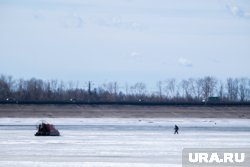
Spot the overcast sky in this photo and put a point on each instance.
(124, 40)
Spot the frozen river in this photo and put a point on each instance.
(115, 142)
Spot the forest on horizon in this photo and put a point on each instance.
(169, 90)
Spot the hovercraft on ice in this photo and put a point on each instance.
(46, 129)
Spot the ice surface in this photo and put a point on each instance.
(127, 121)
(115, 142)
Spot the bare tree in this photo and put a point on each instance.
(111, 88)
(243, 89)
(248, 89)
(139, 89)
(232, 89)
(159, 87)
(221, 90)
(192, 87)
(208, 86)
(5, 87)
(170, 88)
(48, 91)
(20, 94)
(126, 88)
(198, 88)
(185, 89)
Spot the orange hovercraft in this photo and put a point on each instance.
(46, 129)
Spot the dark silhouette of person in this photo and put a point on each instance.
(176, 129)
(43, 128)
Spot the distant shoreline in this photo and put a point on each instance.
(122, 111)
(135, 103)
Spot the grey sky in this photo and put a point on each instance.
(124, 40)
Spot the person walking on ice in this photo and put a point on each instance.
(176, 129)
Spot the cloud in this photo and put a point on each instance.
(237, 11)
(78, 21)
(136, 57)
(120, 23)
(135, 54)
(75, 21)
(185, 62)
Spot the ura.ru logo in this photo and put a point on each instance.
(216, 158)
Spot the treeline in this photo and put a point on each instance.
(170, 90)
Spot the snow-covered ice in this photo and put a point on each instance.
(114, 142)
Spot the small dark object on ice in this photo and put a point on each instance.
(46, 129)
(176, 129)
